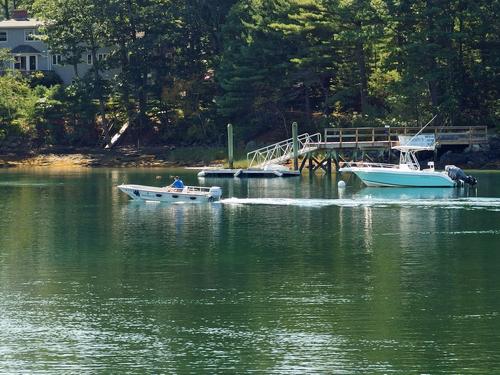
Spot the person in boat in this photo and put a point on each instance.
(177, 185)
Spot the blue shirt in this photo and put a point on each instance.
(178, 184)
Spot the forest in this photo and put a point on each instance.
(179, 70)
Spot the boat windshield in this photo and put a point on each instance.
(421, 142)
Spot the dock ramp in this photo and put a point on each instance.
(281, 152)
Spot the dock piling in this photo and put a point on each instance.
(230, 146)
(295, 146)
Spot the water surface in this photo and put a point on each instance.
(282, 276)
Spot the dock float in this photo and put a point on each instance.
(247, 173)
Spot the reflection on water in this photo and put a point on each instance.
(282, 276)
(415, 193)
(492, 204)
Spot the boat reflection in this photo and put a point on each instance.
(412, 193)
(179, 220)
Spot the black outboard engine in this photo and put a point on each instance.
(456, 174)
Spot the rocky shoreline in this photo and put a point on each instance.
(153, 157)
(473, 157)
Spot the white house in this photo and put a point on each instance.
(29, 53)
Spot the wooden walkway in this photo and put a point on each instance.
(318, 152)
(379, 138)
(337, 140)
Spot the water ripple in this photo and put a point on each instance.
(463, 203)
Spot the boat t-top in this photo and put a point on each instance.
(408, 172)
(171, 194)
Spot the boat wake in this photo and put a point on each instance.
(491, 204)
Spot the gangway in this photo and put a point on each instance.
(283, 151)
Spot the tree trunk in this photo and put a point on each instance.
(125, 72)
(325, 85)
(6, 9)
(461, 67)
(432, 84)
(139, 76)
(125, 87)
(75, 64)
(142, 99)
(307, 105)
(98, 81)
(363, 80)
(434, 92)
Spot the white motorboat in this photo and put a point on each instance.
(171, 195)
(408, 173)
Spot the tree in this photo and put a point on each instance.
(73, 27)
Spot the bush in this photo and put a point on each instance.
(17, 105)
(44, 78)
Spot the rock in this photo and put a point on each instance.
(476, 148)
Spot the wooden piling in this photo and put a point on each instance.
(329, 164)
(295, 146)
(230, 146)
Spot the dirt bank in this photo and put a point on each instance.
(87, 158)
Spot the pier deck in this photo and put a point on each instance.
(379, 138)
(336, 140)
(247, 173)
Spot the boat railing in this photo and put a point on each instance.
(196, 189)
(350, 164)
(189, 189)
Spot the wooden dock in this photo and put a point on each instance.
(247, 173)
(380, 138)
(318, 152)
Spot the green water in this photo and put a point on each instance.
(282, 276)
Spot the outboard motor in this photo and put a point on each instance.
(215, 193)
(456, 174)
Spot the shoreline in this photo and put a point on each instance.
(193, 157)
(147, 157)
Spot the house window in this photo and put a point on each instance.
(102, 56)
(20, 62)
(89, 59)
(30, 35)
(56, 60)
(26, 63)
(3, 36)
(32, 63)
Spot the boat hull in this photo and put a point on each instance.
(400, 178)
(159, 194)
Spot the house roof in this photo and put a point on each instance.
(23, 48)
(24, 24)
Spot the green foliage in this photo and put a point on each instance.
(178, 70)
(17, 106)
(44, 78)
(79, 113)
(32, 114)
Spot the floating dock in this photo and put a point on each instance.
(247, 173)
(265, 162)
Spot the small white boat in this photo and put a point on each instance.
(408, 173)
(171, 195)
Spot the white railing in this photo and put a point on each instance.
(196, 189)
(282, 151)
(349, 164)
(185, 189)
